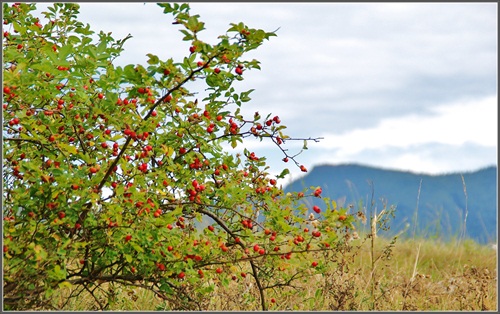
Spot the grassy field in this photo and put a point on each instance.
(378, 275)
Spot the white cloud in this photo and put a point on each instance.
(454, 124)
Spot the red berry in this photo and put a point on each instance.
(211, 228)
(218, 270)
(216, 70)
(61, 215)
(181, 275)
(128, 237)
(316, 209)
(238, 71)
(314, 264)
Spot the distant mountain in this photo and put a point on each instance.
(441, 205)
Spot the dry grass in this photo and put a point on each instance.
(413, 275)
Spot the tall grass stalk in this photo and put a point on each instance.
(464, 227)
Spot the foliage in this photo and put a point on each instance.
(109, 171)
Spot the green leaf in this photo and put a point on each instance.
(101, 47)
(65, 284)
(213, 80)
(152, 59)
(66, 148)
(64, 51)
(137, 248)
(283, 173)
(187, 35)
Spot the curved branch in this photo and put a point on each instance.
(252, 264)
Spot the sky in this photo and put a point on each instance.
(404, 86)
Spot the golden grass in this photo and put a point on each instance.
(415, 275)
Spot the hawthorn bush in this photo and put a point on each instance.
(119, 176)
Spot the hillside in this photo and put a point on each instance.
(441, 205)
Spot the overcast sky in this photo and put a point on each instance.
(407, 86)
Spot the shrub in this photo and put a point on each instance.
(112, 173)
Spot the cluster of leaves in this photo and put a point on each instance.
(109, 172)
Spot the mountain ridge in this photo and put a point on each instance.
(441, 202)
